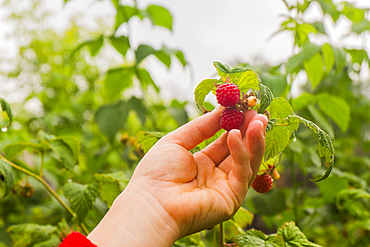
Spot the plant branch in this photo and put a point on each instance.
(47, 186)
(221, 235)
(42, 163)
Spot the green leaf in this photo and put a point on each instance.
(354, 201)
(361, 26)
(315, 70)
(302, 101)
(65, 154)
(81, 197)
(243, 217)
(310, 50)
(181, 57)
(164, 57)
(124, 14)
(95, 45)
(336, 108)
(266, 98)
(74, 144)
(142, 52)
(122, 44)
(24, 235)
(276, 141)
(11, 150)
(222, 68)
(5, 107)
(358, 56)
(160, 16)
(202, 90)
(145, 79)
(148, 139)
(110, 185)
(325, 147)
(116, 81)
(354, 14)
(321, 120)
(328, 57)
(110, 118)
(281, 109)
(293, 236)
(248, 80)
(328, 7)
(275, 82)
(330, 187)
(255, 238)
(6, 178)
(340, 58)
(294, 63)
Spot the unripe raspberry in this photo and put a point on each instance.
(228, 94)
(231, 118)
(275, 175)
(251, 101)
(262, 183)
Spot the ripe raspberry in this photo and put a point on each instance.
(231, 118)
(262, 183)
(228, 94)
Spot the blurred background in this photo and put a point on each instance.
(93, 84)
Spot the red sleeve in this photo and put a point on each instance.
(76, 239)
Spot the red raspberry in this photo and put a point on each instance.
(231, 118)
(262, 183)
(228, 94)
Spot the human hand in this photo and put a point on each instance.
(174, 193)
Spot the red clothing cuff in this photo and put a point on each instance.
(76, 239)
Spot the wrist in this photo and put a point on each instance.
(135, 220)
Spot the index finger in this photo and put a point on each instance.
(196, 131)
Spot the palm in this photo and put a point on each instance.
(208, 187)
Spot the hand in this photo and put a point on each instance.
(174, 193)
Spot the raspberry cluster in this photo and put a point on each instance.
(228, 95)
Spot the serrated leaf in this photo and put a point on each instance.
(276, 141)
(122, 44)
(143, 51)
(222, 67)
(11, 150)
(336, 108)
(6, 178)
(248, 80)
(81, 197)
(266, 98)
(281, 109)
(255, 238)
(315, 70)
(24, 235)
(65, 154)
(202, 90)
(5, 107)
(74, 144)
(293, 236)
(160, 16)
(148, 139)
(325, 147)
(111, 185)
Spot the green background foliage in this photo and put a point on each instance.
(64, 161)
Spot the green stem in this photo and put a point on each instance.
(42, 164)
(295, 191)
(47, 186)
(221, 235)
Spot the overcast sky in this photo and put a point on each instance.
(205, 30)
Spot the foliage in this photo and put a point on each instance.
(80, 128)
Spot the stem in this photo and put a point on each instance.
(295, 190)
(221, 235)
(42, 163)
(47, 186)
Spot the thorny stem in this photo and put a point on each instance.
(47, 186)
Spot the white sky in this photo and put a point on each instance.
(205, 31)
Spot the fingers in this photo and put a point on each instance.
(196, 131)
(255, 140)
(246, 155)
(219, 150)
